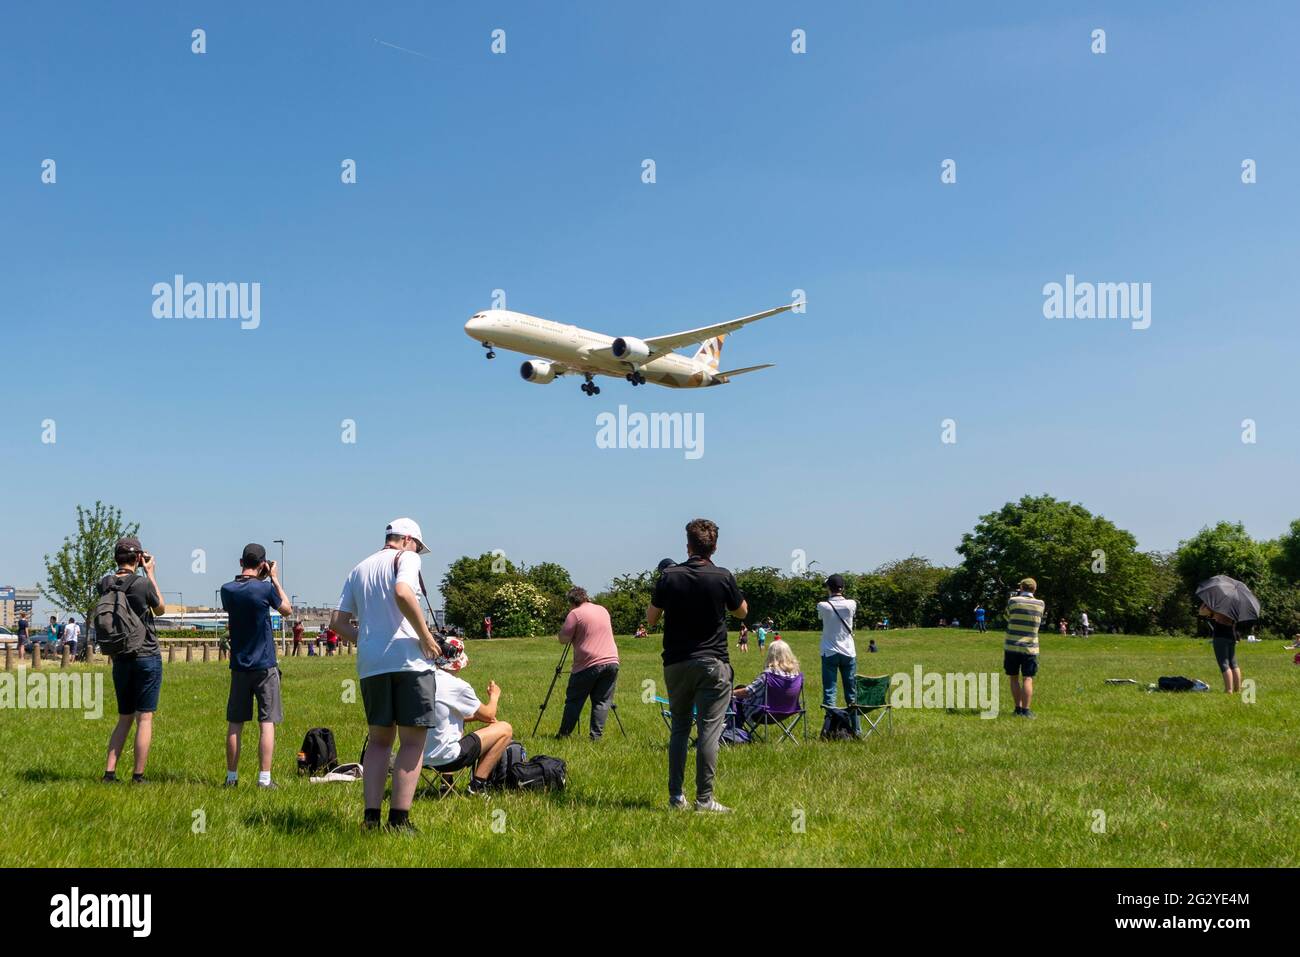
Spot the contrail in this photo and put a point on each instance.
(403, 49)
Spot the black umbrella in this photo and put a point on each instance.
(1229, 597)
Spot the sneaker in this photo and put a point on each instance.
(109, 777)
(712, 807)
(230, 784)
(406, 830)
(678, 803)
(1028, 714)
(139, 779)
(268, 786)
(1020, 712)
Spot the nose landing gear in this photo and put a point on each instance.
(590, 387)
(490, 353)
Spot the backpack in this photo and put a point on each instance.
(500, 775)
(542, 773)
(735, 735)
(318, 753)
(1177, 683)
(837, 725)
(121, 631)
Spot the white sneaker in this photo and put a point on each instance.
(713, 807)
(678, 803)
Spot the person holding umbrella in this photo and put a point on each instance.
(1226, 602)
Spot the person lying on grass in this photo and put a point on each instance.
(780, 660)
(448, 748)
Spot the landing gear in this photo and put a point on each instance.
(590, 387)
(490, 353)
(635, 377)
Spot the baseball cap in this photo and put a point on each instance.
(665, 563)
(254, 554)
(128, 544)
(1028, 584)
(835, 583)
(407, 526)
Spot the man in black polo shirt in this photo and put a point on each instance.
(694, 599)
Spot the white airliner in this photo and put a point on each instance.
(568, 350)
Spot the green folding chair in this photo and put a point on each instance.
(871, 702)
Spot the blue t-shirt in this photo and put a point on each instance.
(249, 601)
(979, 614)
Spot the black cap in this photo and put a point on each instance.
(666, 563)
(128, 544)
(254, 555)
(835, 583)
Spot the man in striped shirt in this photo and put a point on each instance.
(1020, 657)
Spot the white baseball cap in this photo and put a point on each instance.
(407, 526)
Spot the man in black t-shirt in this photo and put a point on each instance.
(694, 599)
(137, 678)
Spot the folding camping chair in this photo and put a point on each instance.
(782, 706)
(664, 712)
(871, 701)
(443, 782)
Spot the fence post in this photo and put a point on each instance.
(171, 652)
(205, 652)
(8, 664)
(63, 658)
(36, 656)
(189, 651)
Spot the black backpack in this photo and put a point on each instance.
(837, 725)
(1175, 683)
(318, 753)
(119, 630)
(542, 773)
(514, 755)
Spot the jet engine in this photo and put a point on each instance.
(537, 370)
(630, 350)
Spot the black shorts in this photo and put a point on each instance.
(403, 698)
(470, 748)
(1225, 652)
(246, 687)
(1019, 663)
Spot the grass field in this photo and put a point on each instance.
(1182, 779)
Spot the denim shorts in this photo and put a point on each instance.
(137, 682)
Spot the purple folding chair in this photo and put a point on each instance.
(782, 706)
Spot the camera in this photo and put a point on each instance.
(265, 571)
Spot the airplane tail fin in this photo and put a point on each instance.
(710, 351)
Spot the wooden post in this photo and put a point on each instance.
(8, 663)
(63, 658)
(36, 656)
(171, 652)
(205, 652)
(189, 651)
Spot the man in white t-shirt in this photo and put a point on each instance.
(71, 634)
(838, 652)
(1083, 620)
(395, 652)
(448, 747)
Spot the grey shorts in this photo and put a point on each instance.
(263, 685)
(404, 698)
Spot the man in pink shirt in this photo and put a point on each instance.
(595, 663)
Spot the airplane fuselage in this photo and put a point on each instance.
(581, 350)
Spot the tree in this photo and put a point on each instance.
(911, 590)
(72, 575)
(468, 589)
(519, 610)
(1225, 549)
(553, 581)
(1082, 562)
(472, 589)
(626, 600)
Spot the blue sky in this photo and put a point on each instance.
(522, 171)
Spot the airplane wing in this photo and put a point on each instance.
(662, 344)
(724, 376)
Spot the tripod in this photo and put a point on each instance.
(564, 655)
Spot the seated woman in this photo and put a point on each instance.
(448, 747)
(780, 660)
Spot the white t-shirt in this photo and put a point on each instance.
(71, 631)
(386, 642)
(454, 702)
(1084, 618)
(836, 638)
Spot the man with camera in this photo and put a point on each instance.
(588, 630)
(137, 677)
(254, 673)
(694, 599)
(395, 662)
(1020, 655)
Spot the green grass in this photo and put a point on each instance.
(1183, 780)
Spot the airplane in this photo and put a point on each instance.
(568, 350)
